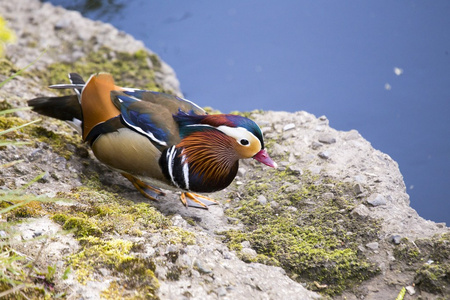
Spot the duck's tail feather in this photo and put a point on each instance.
(65, 108)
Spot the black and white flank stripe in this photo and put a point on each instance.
(175, 167)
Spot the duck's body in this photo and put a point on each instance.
(155, 139)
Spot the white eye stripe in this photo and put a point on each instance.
(239, 133)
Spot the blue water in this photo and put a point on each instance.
(333, 58)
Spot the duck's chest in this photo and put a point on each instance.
(130, 152)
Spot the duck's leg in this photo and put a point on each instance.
(145, 189)
(196, 200)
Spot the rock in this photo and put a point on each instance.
(245, 244)
(221, 292)
(361, 210)
(296, 169)
(410, 289)
(266, 129)
(376, 200)
(372, 245)
(274, 204)
(315, 145)
(315, 170)
(352, 135)
(241, 172)
(201, 267)
(324, 155)
(248, 254)
(357, 188)
(262, 200)
(292, 208)
(396, 239)
(327, 139)
(288, 127)
(328, 196)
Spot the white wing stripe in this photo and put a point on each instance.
(185, 172)
(146, 133)
(170, 156)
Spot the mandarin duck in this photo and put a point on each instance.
(157, 140)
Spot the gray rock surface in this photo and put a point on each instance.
(307, 144)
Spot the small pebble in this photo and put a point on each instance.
(376, 200)
(37, 233)
(296, 170)
(291, 208)
(396, 239)
(327, 139)
(328, 196)
(199, 266)
(248, 253)
(361, 210)
(274, 204)
(45, 178)
(372, 245)
(266, 129)
(410, 289)
(261, 199)
(288, 126)
(357, 188)
(315, 170)
(352, 135)
(221, 292)
(316, 145)
(241, 172)
(245, 244)
(324, 155)
(104, 271)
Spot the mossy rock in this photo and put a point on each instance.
(434, 278)
(306, 228)
(128, 69)
(429, 258)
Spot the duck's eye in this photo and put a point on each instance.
(244, 142)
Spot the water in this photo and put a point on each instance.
(381, 67)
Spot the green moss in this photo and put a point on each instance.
(4, 105)
(7, 68)
(98, 253)
(434, 278)
(62, 143)
(430, 260)
(82, 227)
(176, 235)
(60, 218)
(97, 219)
(103, 215)
(314, 238)
(128, 69)
(408, 252)
(27, 210)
